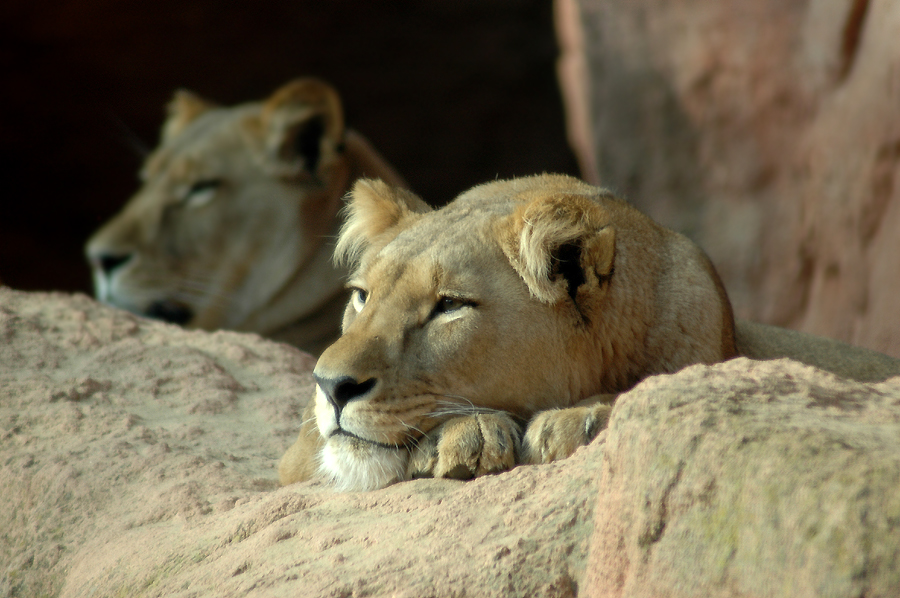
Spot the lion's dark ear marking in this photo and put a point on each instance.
(567, 263)
(301, 126)
(307, 141)
(560, 243)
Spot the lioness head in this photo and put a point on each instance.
(519, 296)
(235, 202)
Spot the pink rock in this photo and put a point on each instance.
(749, 479)
(767, 131)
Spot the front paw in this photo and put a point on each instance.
(466, 447)
(557, 433)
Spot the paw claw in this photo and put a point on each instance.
(556, 434)
(459, 472)
(466, 447)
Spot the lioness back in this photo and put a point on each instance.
(528, 300)
(231, 226)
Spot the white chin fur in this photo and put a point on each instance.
(355, 468)
(324, 414)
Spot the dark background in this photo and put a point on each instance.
(452, 92)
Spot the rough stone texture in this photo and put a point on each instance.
(766, 130)
(110, 424)
(138, 459)
(750, 479)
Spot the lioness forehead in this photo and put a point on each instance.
(455, 230)
(217, 132)
(447, 249)
(466, 243)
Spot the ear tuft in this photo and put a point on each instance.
(374, 210)
(303, 126)
(559, 243)
(184, 107)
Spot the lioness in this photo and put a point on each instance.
(517, 298)
(531, 300)
(231, 226)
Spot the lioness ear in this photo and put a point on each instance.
(182, 109)
(559, 243)
(302, 125)
(374, 210)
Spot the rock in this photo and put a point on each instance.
(139, 459)
(153, 473)
(767, 131)
(750, 479)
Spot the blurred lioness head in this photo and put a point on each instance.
(233, 225)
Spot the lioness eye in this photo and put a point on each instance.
(204, 185)
(358, 298)
(447, 304)
(202, 192)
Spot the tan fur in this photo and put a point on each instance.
(537, 296)
(430, 393)
(761, 341)
(233, 225)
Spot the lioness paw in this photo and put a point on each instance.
(466, 447)
(557, 433)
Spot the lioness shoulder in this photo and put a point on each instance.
(231, 227)
(528, 300)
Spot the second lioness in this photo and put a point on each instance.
(233, 225)
(529, 300)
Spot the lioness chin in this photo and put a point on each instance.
(232, 226)
(523, 305)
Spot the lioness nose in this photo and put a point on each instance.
(341, 391)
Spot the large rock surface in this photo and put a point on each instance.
(138, 459)
(766, 130)
(750, 479)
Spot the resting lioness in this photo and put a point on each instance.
(232, 226)
(532, 300)
(517, 298)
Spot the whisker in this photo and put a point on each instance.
(458, 397)
(196, 289)
(412, 440)
(450, 408)
(202, 288)
(313, 430)
(128, 137)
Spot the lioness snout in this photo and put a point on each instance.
(341, 391)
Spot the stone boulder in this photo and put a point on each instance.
(750, 479)
(768, 131)
(138, 459)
